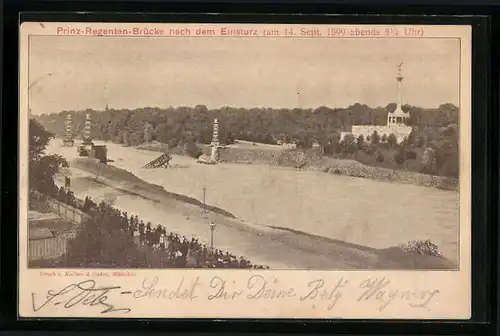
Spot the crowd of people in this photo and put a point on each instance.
(170, 248)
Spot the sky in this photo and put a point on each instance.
(92, 72)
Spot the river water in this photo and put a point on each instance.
(355, 210)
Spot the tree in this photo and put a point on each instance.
(429, 161)
(229, 139)
(42, 168)
(379, 156)
(392, 141)
(406, 108)
(191, 149)
(148, 132)
(399, 157)
(391, 107)
(419, 141)
(446, 114)
(384, 138)
(348, 144)
(412, 137)
(125, 140)
(101, 243)
(360, 141)
(375, 138)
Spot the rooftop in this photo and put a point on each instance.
(36, 216)
(39, 233)
(48, 221)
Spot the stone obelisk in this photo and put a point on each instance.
(87, 130)
(68, 138)
(215, 141)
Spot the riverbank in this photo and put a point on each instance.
(311, 160)
(356, 169)
(135, 185)
(276, 246)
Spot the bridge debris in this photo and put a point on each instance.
(163, 161)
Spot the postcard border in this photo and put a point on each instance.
(474, 103)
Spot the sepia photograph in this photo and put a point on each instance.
(274, 148)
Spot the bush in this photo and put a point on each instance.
(380, 157)
(370, 149)
(337, 171)
(360, 141)
(38, 202)
(348, 144)
(375, 138)
(172, 143)
(100, 243)
(403, 154)
(192, 150)
(411, 155)
(422, 247)
(419, 141)
(392, 141)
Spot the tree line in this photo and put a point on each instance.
(177, 125)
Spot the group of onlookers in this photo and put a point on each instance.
(170, 249)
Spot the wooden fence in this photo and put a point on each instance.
(49, 248)
(54, 247)
(67, 212)
(63, 210)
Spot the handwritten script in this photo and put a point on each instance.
(84, 293)
(377, 291)
(323, 294)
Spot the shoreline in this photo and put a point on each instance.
(316, 252)
(324, 164)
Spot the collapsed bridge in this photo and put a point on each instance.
(162, 161)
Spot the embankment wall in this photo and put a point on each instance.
(356, 169)
(313, 160)
(249, 155)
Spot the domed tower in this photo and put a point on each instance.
(398, 116)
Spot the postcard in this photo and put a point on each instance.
(200, 170)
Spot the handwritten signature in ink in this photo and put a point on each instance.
(84, 293)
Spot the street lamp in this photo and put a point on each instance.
(212, 229)
(204, 202)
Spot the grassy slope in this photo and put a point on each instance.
(120, 175)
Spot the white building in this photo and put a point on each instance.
(396, 121)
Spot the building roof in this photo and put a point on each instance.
(39, 233)
(55, 225)
(37, 216)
